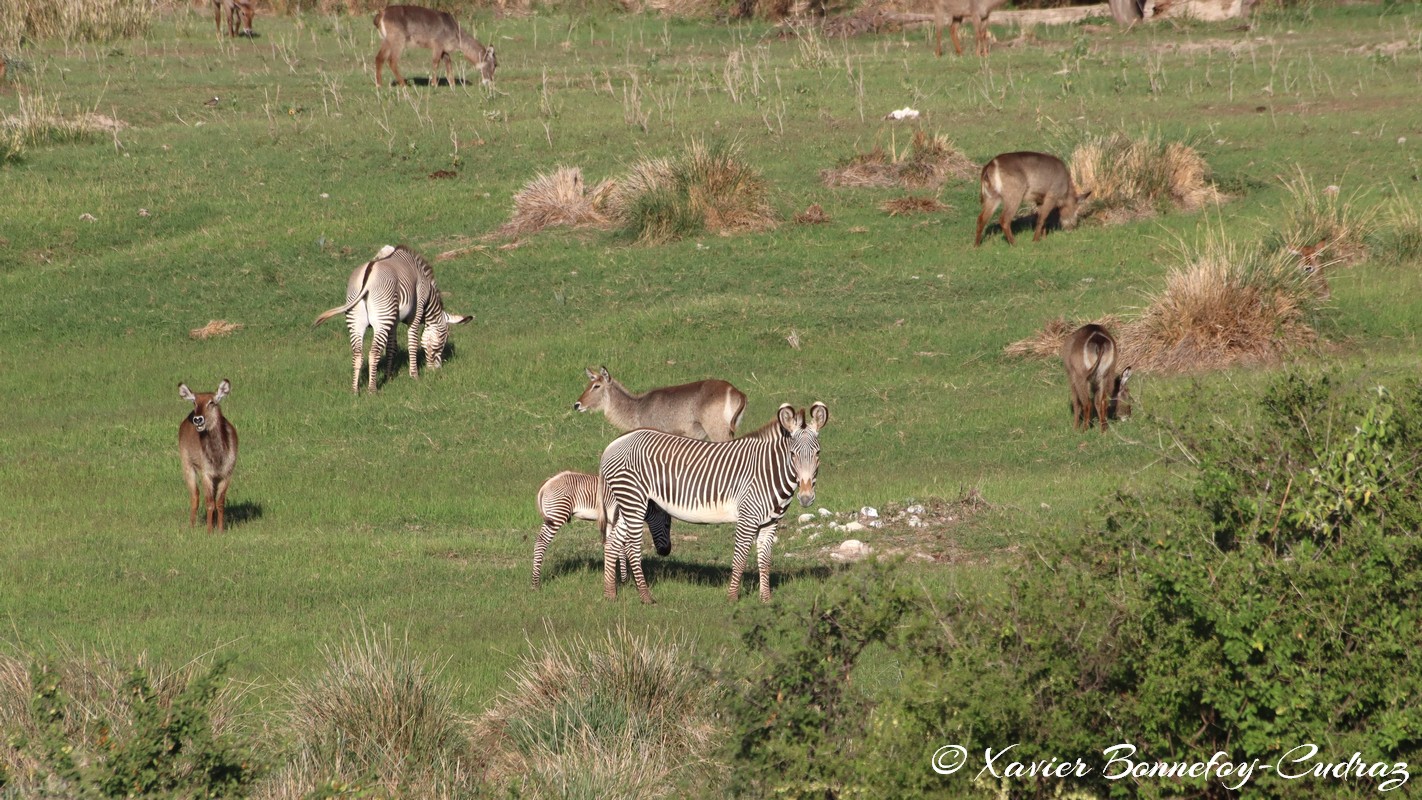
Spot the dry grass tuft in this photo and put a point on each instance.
(624, 716)
(1228, 304)
(1047, 342)
(379, 716)
(1316, 215)
(1134, 178)
(929, 163)
(558, 199)
(707, 189)
(814, 215)
(1401, 231)
(217, 327)
(73, 21)
(904, 206)
(38, 120)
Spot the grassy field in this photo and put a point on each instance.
(413, 508)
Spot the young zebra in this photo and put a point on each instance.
(570, 495)
(396, 286)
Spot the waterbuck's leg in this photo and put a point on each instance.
(540, 547)
(1102, 399)
(953, 32)
(989, 206)
(763, 543)
(191, 476)
(394, 61)
(1044, 210)
(380, 57)
(221, 485)
(745, 538)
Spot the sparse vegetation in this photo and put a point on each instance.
(559, 199)
(929, 162)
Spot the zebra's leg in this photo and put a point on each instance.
(357, 332)
(412, 346)
(659, 523)
(632, 552)
(745, 538)
(764, 541)
(540, 547)
(611, 547)
(378, 341)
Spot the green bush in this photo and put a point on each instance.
(1271, 603)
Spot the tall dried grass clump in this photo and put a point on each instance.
(1315, 214)
(380, 718)
(930, 162)
(1136, 178)
(73, 21)
(1400, 231)
(708, 188)
(561, 199)
(1228, 304)
(39, 120)
(625, 716)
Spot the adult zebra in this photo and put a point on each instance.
(748, 481)
(396, 286)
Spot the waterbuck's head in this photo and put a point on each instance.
(1071, 208)
(803, 431)
(479, 55)
(595, 396)
(207, 414)
(436, 334)
(1120, 406)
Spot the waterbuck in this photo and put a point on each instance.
(709, 409)
(574, 495)
(207, 447)
(396, 286)
(400, 26)
(749, 481)
(1311, 263)
(234, 9)
(1010, 178)
(958, 10)
(1090, 358)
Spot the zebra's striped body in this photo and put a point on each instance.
(396, 286)
(749, 481)
(570, 495)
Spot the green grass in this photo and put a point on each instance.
(414, 508)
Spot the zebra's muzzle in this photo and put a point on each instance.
(807, 494)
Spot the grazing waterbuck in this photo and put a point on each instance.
(748, 481)
(1090, 358)
(401, 26)
(1312, 264)
(207, 447)
(709, 409)
(1042, 179)
(574, 495)
(234, 9)
(958, 10)
(396, 286)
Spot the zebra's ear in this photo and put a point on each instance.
(222, 390)
(186, 393)
(819, 416)
(787, 419)
(457, 319)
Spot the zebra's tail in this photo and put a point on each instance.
(365, 290)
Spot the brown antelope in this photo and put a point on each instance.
(957, 11)
(423, 27)
(207, 445)
(1312, 265)
(1042, 179)
(1090, 358)
(709, 409)
(234, 9)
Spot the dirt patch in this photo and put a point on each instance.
(217, 327)
(918, 530)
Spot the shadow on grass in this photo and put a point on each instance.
(396, 362)
(1024, 226)
(242, 513)
(432, 82)
(696, 573)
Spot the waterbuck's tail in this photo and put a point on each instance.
(364, 291)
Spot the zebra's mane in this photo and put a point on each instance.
(770, 430)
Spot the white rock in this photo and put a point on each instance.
(915, 509)
(851, 550)
(825, 512)
(876, 523)
(869, 511)
(853, 527)
(915, 522)
(902, 113)
(806, 518)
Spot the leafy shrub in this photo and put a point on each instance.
(708, 189)
(1272, 602)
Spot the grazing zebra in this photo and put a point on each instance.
(569, 495)
(396, 286)
(748, 481)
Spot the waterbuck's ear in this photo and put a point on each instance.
(186, 393)
(222, 390)
(1084, 195)
(458, 319)
(603, 372)
(592, 376)
(787, 419)
(1125, 376)
(819, 416)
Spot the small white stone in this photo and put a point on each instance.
(806, 518)
(852, 549)
(876, 523)
(1402, 140)
(914, 509)
(825, 512)
(869, 511)
(853, 527)
(325, 196)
